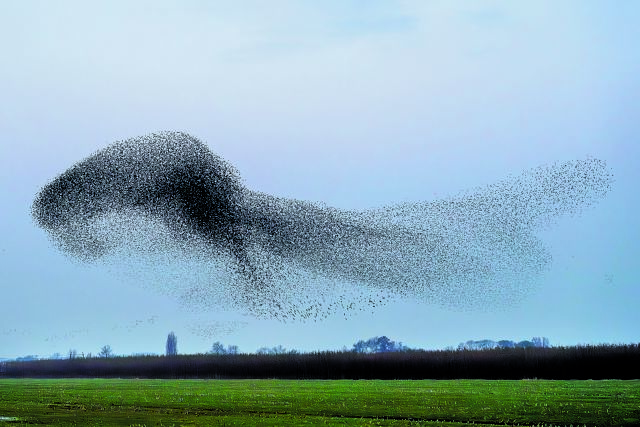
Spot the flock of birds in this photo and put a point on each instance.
(165, 204)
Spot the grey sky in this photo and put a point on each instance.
(354, 104)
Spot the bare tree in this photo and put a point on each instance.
(172, 344)
(218, 348)
(105, 351)
(279, 349)
(378, 345)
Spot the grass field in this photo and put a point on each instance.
(284, 402)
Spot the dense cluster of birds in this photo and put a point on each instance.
(166, 202)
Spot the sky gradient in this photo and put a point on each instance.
(353, 104)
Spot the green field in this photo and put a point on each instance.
(282, 402)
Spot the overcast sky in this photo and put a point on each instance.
(355, 104)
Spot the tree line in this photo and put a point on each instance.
(577, 362)
(537, 342)
(381, 344)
